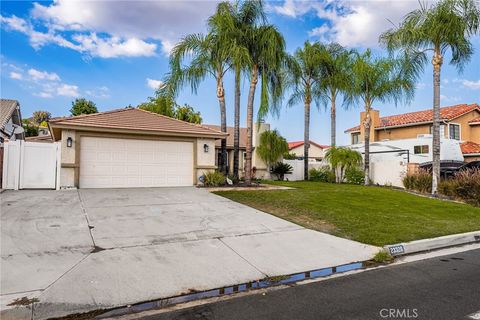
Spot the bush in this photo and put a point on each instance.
(280, 169)
(289, 156)
(323, 174)
(421, 181)
(465, 185)
(354, 175)
(213, 179)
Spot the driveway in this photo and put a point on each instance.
(79, 250)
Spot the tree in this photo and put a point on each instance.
(31, 129)
(266, 47)
(303, 76)
(445, 25)
(232, 22)
(341, 159)
(41, 116)
(161, 103)
(379, 79)
(188, 114)
(272, 146)
(83, 106)
(336, 79)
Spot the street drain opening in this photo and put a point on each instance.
(193, 295)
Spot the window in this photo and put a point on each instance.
(355, 138)
(454, 131)
(442, 130)
(420, 149)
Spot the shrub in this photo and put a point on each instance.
(465, 185)
(323, 174)
(420, 181)
(289, 156)
(354, 175)
(280, 169)
(213, 179)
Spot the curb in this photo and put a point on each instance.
(404, 248)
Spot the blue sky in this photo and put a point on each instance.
(115, 52)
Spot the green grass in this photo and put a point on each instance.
(372, 215)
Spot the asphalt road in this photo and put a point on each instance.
(445, 287)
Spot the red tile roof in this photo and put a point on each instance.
(475, 121)
(469, 147)
(294, 144)
(136, 120)
(446, 113)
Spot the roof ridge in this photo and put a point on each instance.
(178, 120)
(80, 116)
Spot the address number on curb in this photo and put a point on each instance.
(396, 250)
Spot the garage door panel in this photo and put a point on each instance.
(118, 163)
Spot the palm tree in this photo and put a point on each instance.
(303, 76)
(341, 159)
(266, 47)
(232, 22)
(379, 79)
(272, 147)
(209, 57)
(446, 25)
(336, 67)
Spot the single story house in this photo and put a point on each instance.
(316, 151)
(459, 122)
(10, 117)
(132, 148)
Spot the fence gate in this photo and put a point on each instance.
(30, 165)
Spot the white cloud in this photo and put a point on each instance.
(350, 23)
(100, 92)
(474, 85)
(43, 75)
(67, 90)
(110, 29)
(154, 84)
(16, 75)
(43, 95)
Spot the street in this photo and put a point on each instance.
(446, 287)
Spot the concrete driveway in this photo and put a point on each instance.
(80, 250)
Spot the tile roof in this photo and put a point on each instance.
(475, 121)
(7, 107)
(446, 113)
(294, 144)
(45, 138)
(242, 138)
(470, 147)
(136, 120)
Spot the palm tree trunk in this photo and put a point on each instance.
(437, 64)
(333, 122)
(366, 124)
(251, 98)
(306, 138)
(236, 130)
(223, 124)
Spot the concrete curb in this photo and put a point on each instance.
(433, 243)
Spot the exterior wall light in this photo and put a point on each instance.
(205, 148)
(69, 142)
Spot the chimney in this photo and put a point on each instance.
(375, 122)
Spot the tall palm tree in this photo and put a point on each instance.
(266, 47)
(209, 57)
(379, 79)
(303, 76)
(336, 69)
(232, 21)
(446, 25)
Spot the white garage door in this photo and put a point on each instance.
(130, 163)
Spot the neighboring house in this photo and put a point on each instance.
(460, 122)
(132, 148)
(260, 167)
(315, 152)
(10, 117)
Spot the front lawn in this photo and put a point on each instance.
(372, 215)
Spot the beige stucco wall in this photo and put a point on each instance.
(70, 157)
(262, 170)
(313, 151)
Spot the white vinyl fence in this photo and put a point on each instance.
(297, 165)
(30, 165)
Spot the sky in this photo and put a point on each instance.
(115, 53)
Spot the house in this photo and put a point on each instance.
(10, 119)
(261, 170)
(316, 151)
(132, 148)
(459, 122)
